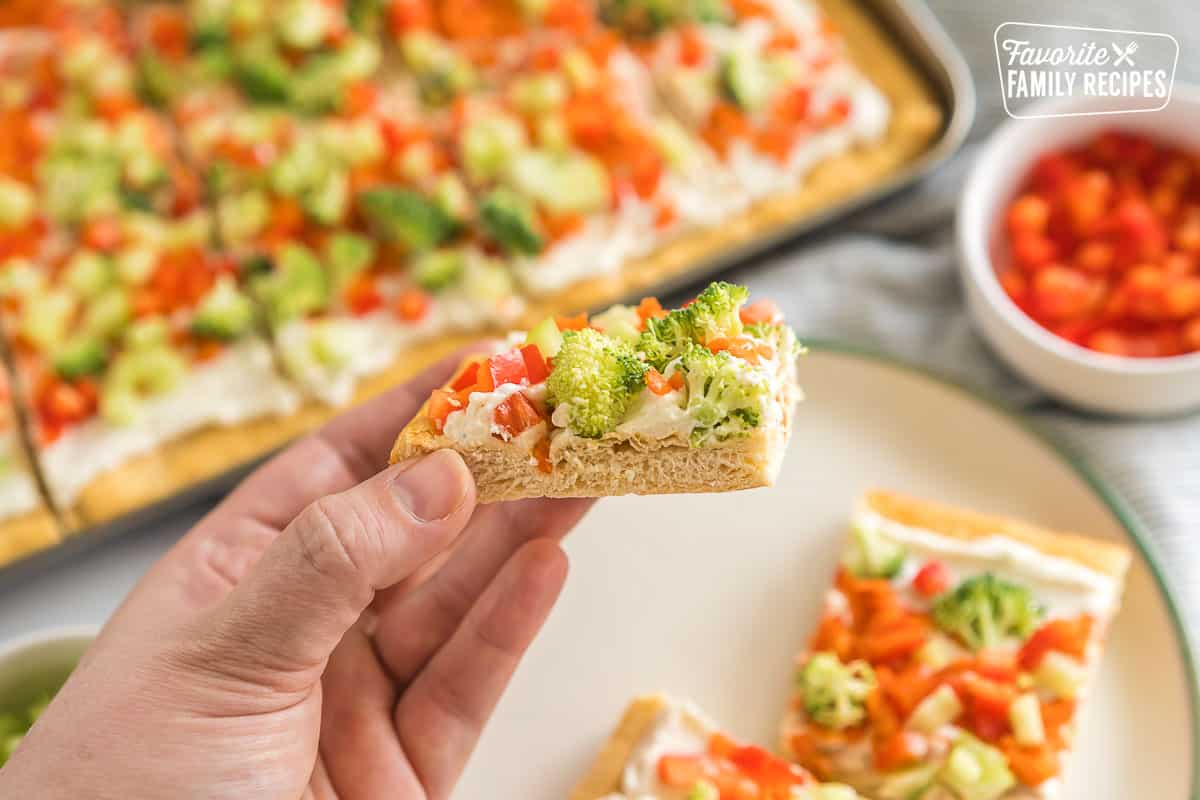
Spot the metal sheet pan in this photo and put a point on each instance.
(919, 36)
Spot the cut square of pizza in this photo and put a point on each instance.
(354, 237)
(26, 525)
(124, 350)
(954, 654)
(630, 401)
(767, 85)
(667, 749)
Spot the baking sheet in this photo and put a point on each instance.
(914, 31)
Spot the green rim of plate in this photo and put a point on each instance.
(1107, 495)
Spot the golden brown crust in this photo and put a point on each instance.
(1107, 557)
(605, 775)
(915, 120)
(26, 534)
(609, 466)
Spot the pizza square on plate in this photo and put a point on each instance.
(630, 401)
(953, 656)
(667, 749)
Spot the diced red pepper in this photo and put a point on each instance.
(932, 578)
(536, 368)
(507, 367)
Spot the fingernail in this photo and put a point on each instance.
(431, 487)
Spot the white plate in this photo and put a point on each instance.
(710, 596)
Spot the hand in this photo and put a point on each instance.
(327, 631)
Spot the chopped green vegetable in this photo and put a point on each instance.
(348, 254)
(648, 17)
(79, 356)
(619, 322)
(489, 144)
(546, 336)
(407, 217)
(562, 182)
(976, 771)
(872, 554)
(509, 219)
(745, 80)
(597, 377)
(984, 610)
(224, 313)
(704, 790)
(1060, 674)
(298, 286)
(941, 707)
(1025, 715)
(438, 269)
(908, 784)
(835, 694)
(16, 203)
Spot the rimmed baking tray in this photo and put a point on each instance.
(909, 26)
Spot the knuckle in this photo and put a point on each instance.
(334, 537)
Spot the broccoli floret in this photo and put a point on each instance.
(665, 339)
(714, 312)
(835, 694)
(984, 610)
(509, 220)
(712, 315)
(597, 377)
(724, 398)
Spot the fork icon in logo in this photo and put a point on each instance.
(1124, 56)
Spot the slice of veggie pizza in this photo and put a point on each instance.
(26, 525)
(953, 655)
(667, 749)
(630, 401)
(123, 349)
(353, 234)
(768, 87)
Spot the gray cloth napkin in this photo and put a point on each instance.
(887, 280)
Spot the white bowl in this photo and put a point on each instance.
(39, 663)
(1075, 375)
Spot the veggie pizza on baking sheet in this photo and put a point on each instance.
(307, 200)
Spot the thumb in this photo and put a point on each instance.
(314, 581)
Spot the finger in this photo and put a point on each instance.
(359, 748)
(315, 580)
(414, 625)
(444, 709)
(347, 450)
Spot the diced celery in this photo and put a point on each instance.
(451, 195)
(45, 317)
(327, 202)
(907, 784)
(704, 790)
(580, 69)
(1060, 674)
(20, 278)
(1025, 714)
(941, 707)
(302, 24)
(619, 322)
(146, 333)
(88, 273)
(348, 254)
(976, 771)
(489, 144)
(241, 217)
(939, 651)
(565, 183)
(135, 265)
(871, 554)
(438, 269)
(106, 314)
(539, 92)
(487, 280)
(546, 336)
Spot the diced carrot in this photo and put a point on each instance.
(1033, 766)
(575, 323)
(412, 305)
(656, 383)
(650, 308)
(541, 452)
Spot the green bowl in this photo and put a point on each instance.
(32, 669)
